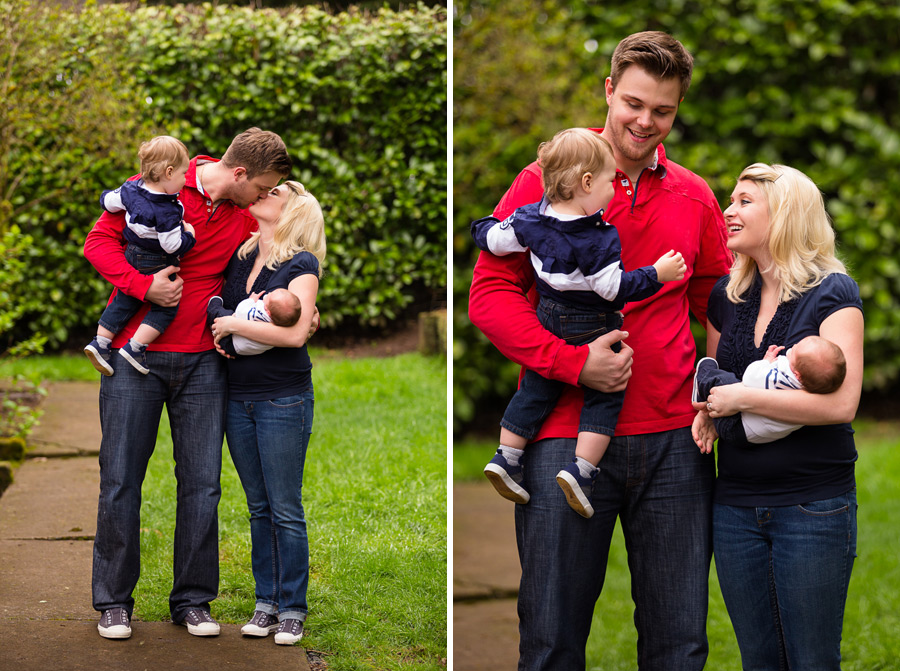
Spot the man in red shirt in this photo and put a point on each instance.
(186, 376)
(653, 477)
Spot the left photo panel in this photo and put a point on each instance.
(223, 335)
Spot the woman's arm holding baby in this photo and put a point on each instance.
(845, 329)
(305, 288)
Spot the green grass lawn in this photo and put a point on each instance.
(872, 618)
(375, 497)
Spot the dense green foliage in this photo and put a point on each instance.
(359, 98)
(807, 83)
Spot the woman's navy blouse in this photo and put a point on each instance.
(813, 462)
(280, 371)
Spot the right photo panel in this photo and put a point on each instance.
(676, 336)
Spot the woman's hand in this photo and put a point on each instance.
(703, 430)
(223, 326)
(725, 400)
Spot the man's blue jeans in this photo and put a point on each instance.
(784, 573)
(268, 442)
(192, 388)
(661, 488)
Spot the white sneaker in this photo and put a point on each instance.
(289, 632)
(200, 623)
(260, 625)
(114, 624)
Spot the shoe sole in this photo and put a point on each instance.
(134, 362)
(98, 361)
(574, 496)
(117, 632)
(695, 394)
(505, 485)
(198, 629)
(257, 632)
(287, 639)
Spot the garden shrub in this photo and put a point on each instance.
(359, 98)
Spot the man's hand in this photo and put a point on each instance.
(703, 430)
(605, 370)
(164, 291)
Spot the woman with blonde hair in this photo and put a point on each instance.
(270, 402)
(784, 516)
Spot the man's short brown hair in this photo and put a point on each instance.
(658, 54)
(259, 151)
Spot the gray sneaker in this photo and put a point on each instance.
(289, 632)
(200, 623)
(114, 624)
(261, 624)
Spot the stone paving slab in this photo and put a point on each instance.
(52, 498)
(70, 425)
(485, 636)
(485, 580)
(485, 558)
(44, 580)
(74, 645)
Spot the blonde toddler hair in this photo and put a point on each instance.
(567, 157)
(160, 153)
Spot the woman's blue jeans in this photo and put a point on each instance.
(660, 487)
(192, 388)
(784, 573)
(268, 441)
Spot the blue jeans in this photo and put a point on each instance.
(784, 573)
(192, 388)
(123, 307)
(660, 486)
(268, 441)
(537, 395)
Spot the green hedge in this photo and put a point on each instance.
(359, 98)
(808, 83)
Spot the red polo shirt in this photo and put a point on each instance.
(219, 232)
(669, 208)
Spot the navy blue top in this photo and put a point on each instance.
(570, 255)
(280, 371)
(813, 462)
(153, 221)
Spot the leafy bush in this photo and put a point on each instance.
(809, 84)
(359, 98)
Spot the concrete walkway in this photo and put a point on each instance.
(47, 524)
(485, 580)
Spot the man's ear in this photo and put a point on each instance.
(609, 89)
(239, 172)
